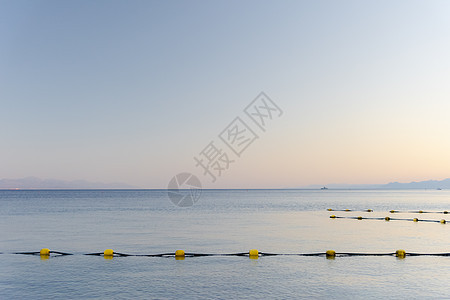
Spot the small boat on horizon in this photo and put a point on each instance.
(324, 188)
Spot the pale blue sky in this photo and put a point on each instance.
(131, 91)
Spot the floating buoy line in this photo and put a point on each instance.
(442, 221)
(46, 253)
(394, 211)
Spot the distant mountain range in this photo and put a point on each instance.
(428, 184)
(37, 183)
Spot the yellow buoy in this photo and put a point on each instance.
(369, 210)
(45, 251)
(330, 253)
(179, 253)
(44, 257)
(392, 211)
(333, 216)
(253, 253)
(387, 218)
(443, 221)
(359, 218)
(420, 211)
(416, 220)
(445, 212)
(347, 210)
(108, 252)
(329, 209)
(400, 253)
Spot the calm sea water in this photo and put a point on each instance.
(223, 221)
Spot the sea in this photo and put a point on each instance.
(285, 222)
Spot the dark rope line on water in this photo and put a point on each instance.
(118, 254)
(419, 212)
(427, 254)
(393, 211)
(171, 254)
(389, 219)
(38, 253)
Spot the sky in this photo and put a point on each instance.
(132, 91)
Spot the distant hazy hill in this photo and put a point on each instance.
(37, 183)
(429, 184)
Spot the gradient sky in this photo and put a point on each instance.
(131, 91)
